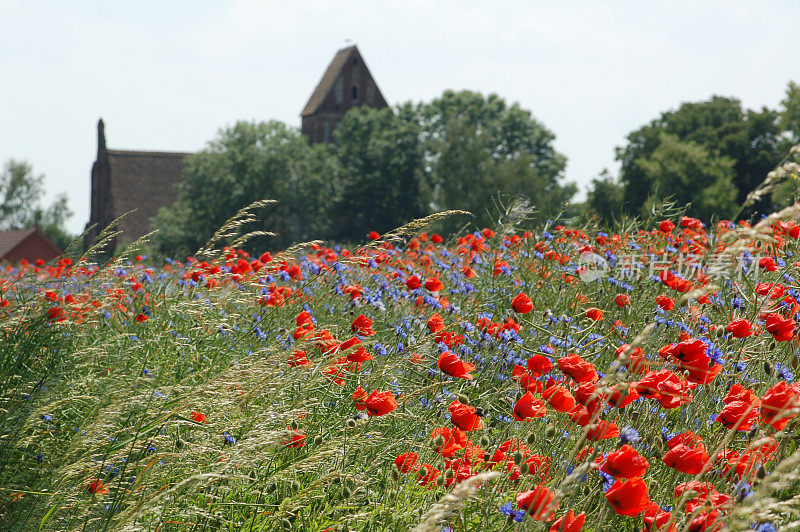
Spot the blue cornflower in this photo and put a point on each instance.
(229, 440)
(629, 434)
(508, 509)
(766, 527)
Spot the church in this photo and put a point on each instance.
(141, 182)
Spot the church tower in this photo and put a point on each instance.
(346, 83)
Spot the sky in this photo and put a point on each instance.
(167, 76)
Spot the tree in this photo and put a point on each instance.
(790, 113)
(384, 184)
(21, 195)
(748, 139)
(477, 148)
(248, 162)
(604, 199)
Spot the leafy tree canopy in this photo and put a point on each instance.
(715, 133)
(21, 196)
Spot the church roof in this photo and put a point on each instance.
(326, 83)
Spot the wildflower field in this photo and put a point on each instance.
(540, 378)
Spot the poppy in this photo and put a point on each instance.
(452, 365)
(454, 440)
(355, 350)
(407, 462)
(435, 323)
(529, 407)
(686, 459)
(666, 303)
(559, 398)
(666, 226)
(780, 328)
(436, 239)
(578, 369)
(540, 503)
(594, 314)
(739, 414)
(295, 438)
(297, 358)
(603, 430)
(569, 522)
(373, 235)
(427, 474)
(433, 284)
(380, 403)
(413, 282)
(522, 304)
(739, 328)
(655, 518)
(198, 416)
(538, 365)
(358, 398)
(362, 326)
(464, 416)
(625, 462)
(628, 497)
(777, 403)
(96, 487)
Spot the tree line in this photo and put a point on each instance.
(462, 150)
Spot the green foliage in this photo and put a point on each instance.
(747, 140)
(479, 147)
(790, 114)
(21, 195)
(605, 198)
(248, 162)
(383, 185)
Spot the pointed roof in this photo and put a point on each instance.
(12, 238)
(326, 83)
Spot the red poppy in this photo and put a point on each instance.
(436, 239)
(427, 474)
(594, 314)
(373, 235)
(464, 416)
(666, 226)
(297, 358)
(362, 326)
(141, 317)
(777, 403)
(569, 522)
(559, 398)
(380, 403)
(522, 304)
(96, 487)
(538, 365)
(780, 328)
(622, 300)
(455, 439)
(603, 430)
(739, 328)
(413, 282)
(686, 459)
(529, 406)
(625, 462)
(295, 438)
(666, 303)
(540, 503)
(655, 518)
(407, 462)
(739, 414)
(577, 368)
(454, 366)
(435, 323)
(198, 416)
(355, 350)
(358, 398)
(433, 284)
(628, 497)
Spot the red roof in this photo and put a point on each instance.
(16, 244)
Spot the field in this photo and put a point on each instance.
(541, 378)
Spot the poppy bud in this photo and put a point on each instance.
(269, 488)
(395, 474)
(480, 412)
(484, 441)
(345, 493)
(761, 473)
(449, 474)
(653, 486)
(550, 430)
(350, 423)
(524, 468)
(438, 441)
(517, 457)
(767, 368)
(317, 439)
(286, 524)
(531, 439)
(463, 399)
(296, 485)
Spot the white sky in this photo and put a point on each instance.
(168, 75)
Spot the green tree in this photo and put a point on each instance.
(604, 198)
(384, 184)
(21, 195)
(478, 148)
(749, 139)
(691, 174)
(245, 163)
(790, 113)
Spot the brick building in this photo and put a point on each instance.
(28, 244)
(347, 83)
(141, 182)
